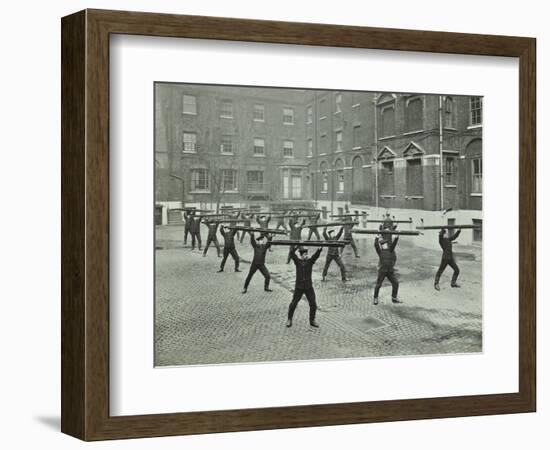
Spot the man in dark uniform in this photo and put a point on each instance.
(447, 259)
(304, 285)
(295, 234)
(187, 226)
(314, 220)
(281, 221)
(386, 263)
(247, 222)
(263, 221)
(348, 236)
(388, 224)
(229, 248)
(195, 230)
(333, 254)
(258, 263)
(212, 237)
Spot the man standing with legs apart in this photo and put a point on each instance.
(303, 285)
(247, 222)
(187, 226)
(333, 254)
(348, 236)
(314, 220)
(258, 263)
(212, 237)
(229, 248)
(447, 259)
(195, 230)
(386, 262)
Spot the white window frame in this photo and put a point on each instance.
(478, 176)
(234, 181)
(480, 109)
(223, 112)
(287, 109)
(339, 141)
(190, 113)
(338, 99)
(189, 133)
(206, 178)
(223, 138)
(258, 107)
(286, 147)
(255, 146)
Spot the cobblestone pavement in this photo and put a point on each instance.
(201, 317)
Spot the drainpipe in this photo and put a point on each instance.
(441, 153)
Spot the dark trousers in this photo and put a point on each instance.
(313, 231)
(353, 246)
(262, 268)
(310, 295)
(444, 263)
(338, 261)
(196, 236)
(212, 240)
(186, 232)
(382, 274)
(230, 251)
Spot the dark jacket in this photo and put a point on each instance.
(314, 220)
(296, 230)
(387, 224)
(386, 257)
(194, 224)
(212, 228)
(186, 218)
(304, 269)
(447, 244)
(334, 251)
(247, 219)
(228, 237)
(259, 250)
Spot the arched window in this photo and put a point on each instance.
(414, 116)
(475, 162)
(339, 172)
(324, 176)
(387, 120)
(357, 175)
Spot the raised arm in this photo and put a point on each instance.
(316, 255)
(325, 234)
(394, 243)
(253, 240)
(222, 231)
(377, 245)
(339, 235)
(454, 236)
(293, 253)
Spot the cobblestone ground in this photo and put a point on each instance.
(201, 317)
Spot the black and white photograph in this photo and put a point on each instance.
(296, 224)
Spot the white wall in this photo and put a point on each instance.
(30, 171)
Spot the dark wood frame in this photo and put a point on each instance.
(85, 224)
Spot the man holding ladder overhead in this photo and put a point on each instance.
(212, 236)
(386, 262)
(447, 258)
(258, 263)
(314, 220)
(333, 254)
(229, 248)
(304, 267)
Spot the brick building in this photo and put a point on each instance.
(412, 154)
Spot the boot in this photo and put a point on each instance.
(455, 285)
(436, 286)
(289, 323)
(375, 302)
(314, 324)
(396, 300)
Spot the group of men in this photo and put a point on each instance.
(385, 244)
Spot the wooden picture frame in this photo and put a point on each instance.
(85, 224)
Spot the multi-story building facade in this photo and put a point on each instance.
(413, 154)
(229, 145)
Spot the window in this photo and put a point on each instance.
(449, 113)
(309, 114)
(226, 109)
(189, 104)
(356, 137)
(288, 116)
(226, 146)
(190, 142)
(310, 147)
(387, 184)
(324, 144)
(255, 181)
(477, 175)
(324, 177)
(258, 113)
(259, 147)
(338, 103)
(322, 109)
(229, 180)
(296, 184)
(200, 180)
(450, 171)
(340, 178)
(286, 192)
(476, 104)
(339, 146)
(288, 149)
(388, 121)
(414, 113)
(415, 182)
(356, 111)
